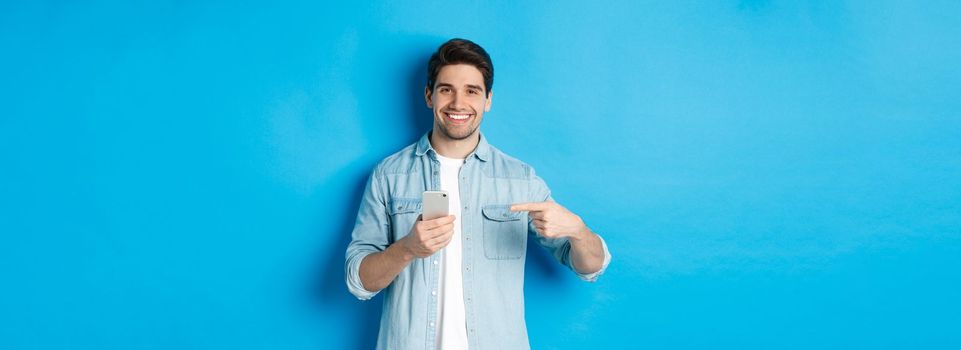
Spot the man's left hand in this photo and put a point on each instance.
(553, 220)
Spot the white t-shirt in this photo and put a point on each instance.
(451, 313)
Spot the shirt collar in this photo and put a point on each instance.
(482, 151)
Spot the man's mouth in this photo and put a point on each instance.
(458, 117)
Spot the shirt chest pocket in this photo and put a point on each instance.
(505, 232)
(403, 213)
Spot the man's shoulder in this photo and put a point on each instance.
(400, 162)
(503, 165)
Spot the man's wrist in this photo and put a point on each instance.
(402, 252)
(581, 235)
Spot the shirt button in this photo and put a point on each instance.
(468, 268)
(435, 262)
(432, 324)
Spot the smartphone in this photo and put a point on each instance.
(436, 205)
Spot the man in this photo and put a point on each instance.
(456, 282)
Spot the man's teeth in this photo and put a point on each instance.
(459, 116)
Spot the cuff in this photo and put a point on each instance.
(354, 284)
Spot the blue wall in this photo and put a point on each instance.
(768, 174)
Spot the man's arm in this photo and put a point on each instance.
(371, 261)
(553, 221)
(587, 252)
(379, 269)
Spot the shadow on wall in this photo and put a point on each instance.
(421, 117)
(328, 290)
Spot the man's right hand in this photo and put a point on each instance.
(427, 237)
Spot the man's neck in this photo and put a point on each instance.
(456, 149)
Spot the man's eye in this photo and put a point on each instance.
(473, 92)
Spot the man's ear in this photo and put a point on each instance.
(427, 97)
(490, 97)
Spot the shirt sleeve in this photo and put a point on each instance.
(370, 234)
(560, 248)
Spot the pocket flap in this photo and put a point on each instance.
(404, 205)
(502, 213)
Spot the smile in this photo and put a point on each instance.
(457, 117)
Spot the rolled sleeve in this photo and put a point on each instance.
(592, 277)
(370, 235)
(354, 284)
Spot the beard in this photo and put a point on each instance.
(459, 134)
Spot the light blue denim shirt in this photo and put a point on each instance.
(494, 246)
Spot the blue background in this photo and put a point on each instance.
(768, 174)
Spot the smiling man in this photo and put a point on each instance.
(457, 282)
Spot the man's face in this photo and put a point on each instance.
(459, 101)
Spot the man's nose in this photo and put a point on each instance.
(457, 101)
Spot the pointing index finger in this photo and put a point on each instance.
(532, 206)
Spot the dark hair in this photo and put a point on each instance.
(461, 51)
